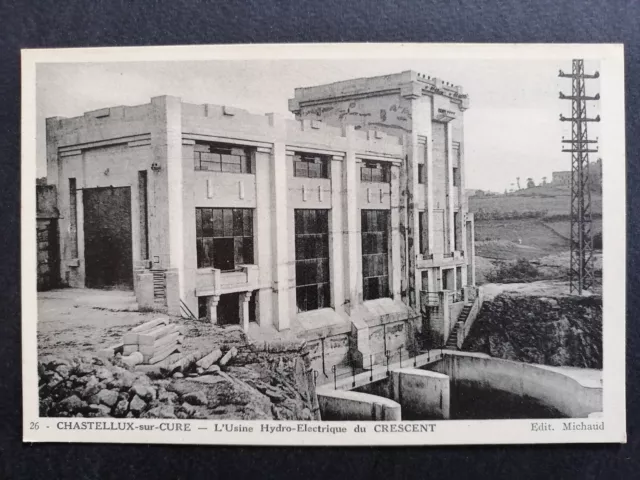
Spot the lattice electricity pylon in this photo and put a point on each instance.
(581, 275)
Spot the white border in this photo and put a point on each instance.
(445, 432)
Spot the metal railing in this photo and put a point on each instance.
(399, 355)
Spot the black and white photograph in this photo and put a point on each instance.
(340, 244)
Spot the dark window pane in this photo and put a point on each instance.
(207, 225)
(207, 252)
(248, 250)
(227, 221)
(238, 222)
(247, 222)
(218, 226)
(223, 253)
(199, 222)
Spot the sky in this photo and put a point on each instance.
(511, 129)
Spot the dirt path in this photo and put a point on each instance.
(85, 320)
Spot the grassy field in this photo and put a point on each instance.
(553, 201)
(538, 227)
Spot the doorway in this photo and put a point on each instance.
(107, 238)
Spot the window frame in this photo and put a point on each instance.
(302, 164)
(376, 260)
(225, 158)
(368, 167)
(227, 225)
(312, 259)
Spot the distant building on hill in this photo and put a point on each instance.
(595, 175)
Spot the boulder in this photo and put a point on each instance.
(213, 369)
(146, 392)
(137, 405)
(72, 404)
(161, 411)
(108, 397)
(121, 408)
(188, 408)
(99, 411)
(103, 373)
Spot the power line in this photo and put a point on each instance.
(581, 274)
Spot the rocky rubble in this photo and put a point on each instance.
(558, 331)
(265, 381)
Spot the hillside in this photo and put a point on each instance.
(531, 224)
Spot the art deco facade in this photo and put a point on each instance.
(346, 226)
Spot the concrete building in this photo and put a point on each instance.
(347, 226)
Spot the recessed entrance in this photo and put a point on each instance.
(107, 237)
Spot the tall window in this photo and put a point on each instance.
(456, 177)
(375, 254)
(223, 158)
(312, 259)
(310, 166)
(375, 172)
(421, 173)
(224, 237)
(421, 233)
(73, 218)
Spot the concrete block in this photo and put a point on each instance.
(144, 293)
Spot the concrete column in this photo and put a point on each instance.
(144, 292)
(422, 393)
(212, 309)
(336, 235)
(244, 299)
(189, 254)
(262, 243)
(428, 165)
(413, 222)
(280, 228)
(351, 221)
(166, 222)
(396, 246)
(450, 226)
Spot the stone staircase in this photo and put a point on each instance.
(452, 341)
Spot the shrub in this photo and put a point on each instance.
(520, 271)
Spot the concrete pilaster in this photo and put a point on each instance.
(351, 220)
(449, 235)
(263, 248)
(396, 246)
(166, 222)
(280, 227)
(336, 235)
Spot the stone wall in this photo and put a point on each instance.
(561, 331)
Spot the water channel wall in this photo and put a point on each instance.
(346, 405)
(549, 387)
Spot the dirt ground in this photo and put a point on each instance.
(77, 320)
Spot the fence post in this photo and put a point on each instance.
(335, 382)
(371, 367)
(400, 350)
(386, 354)
(353, 374)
